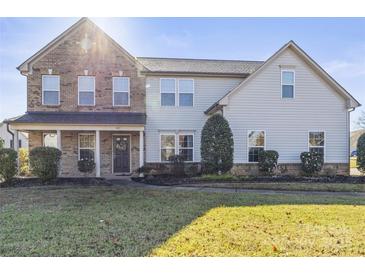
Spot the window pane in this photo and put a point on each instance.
(87, 141)
(168, 85)
(86, 83)
(121, 83)
(186, 100)
(256, 138)
(166, 154)
(50, 97)
(288, 78)
(186, 86)
(50, 140)
(87, 154)
(316, 138)
(253, 154)
(185, 141)
(51, 82)
(288, 91)
(319, 150)
(167, 99)
(121, 98)
(86, 98)
(168, 141)
(186, 154)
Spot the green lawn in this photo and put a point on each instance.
(120, 221)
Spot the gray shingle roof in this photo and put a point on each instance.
(199, 65)
(83, 118)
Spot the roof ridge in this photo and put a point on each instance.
(200, 59)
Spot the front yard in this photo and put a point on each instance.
(122, 221)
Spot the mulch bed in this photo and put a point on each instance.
(165, 180)
(82, 181)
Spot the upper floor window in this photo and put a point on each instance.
(168, 91)
(317, 142)
(86, 87)
(186, 92)
(287, 83)
(256, 143)
(51, 89)
(121, 91)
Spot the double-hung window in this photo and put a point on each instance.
(86, 146)
(186, 146)
(86, 87)
(121, 91)
(256, 143)
(177, 144)
(51, 89)
(316, 142)
(50, 140)
(168, 91)
(186, 92)
(167, 146)
(287, 83)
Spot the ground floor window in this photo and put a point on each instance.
(256, 143)
(177, 144)
(50, 140)
(316, 142)
(86, 146)
(186, 146)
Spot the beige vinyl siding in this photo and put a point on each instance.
(316, 106)
(207, 91)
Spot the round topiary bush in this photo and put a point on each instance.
(361, 153)
(268, 160)
(86, 166)
(8, 164)
(44, 162)
(312, 162)
(216, 145)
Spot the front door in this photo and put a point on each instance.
(121, 154)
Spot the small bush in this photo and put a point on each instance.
(312, 162)
(177, 165)
(8, 164)
(361, 153)
(44, 162)
(268, 161)
(86, 166)
(23, 162)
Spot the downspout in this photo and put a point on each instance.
(11, 133)
(348, 138)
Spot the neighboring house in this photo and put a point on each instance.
(93, 100)
(8, 137)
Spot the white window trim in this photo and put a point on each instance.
(116, 91)
(166, 134)
(248, 143)
(79, 147)
(281, 82)
(168, 92)
(78, 90)
(178, 91)
(325, 141)
(178, 145)
(58, 90)
(45, 133)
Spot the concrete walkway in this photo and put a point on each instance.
(127, 182)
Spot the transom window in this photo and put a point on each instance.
(168, 91)
(50, 140)
(256, 143)
(86, 146)
(86, 87)
(186, 93)
(167, 147)
(121, 90)
(177, 144)
(51, 89)
(316, 141)
(287, 83)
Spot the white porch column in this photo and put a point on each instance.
(97, 153)
(16, 144)
(141, 149)
(59, 144)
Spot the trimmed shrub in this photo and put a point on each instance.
(86, 166)
(216, 145)
(44, 162)
(8, 164)
(312, 162)
(177, 165)
(361, 153)
(23, 162)
(268, 161)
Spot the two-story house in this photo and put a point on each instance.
(93, 100)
